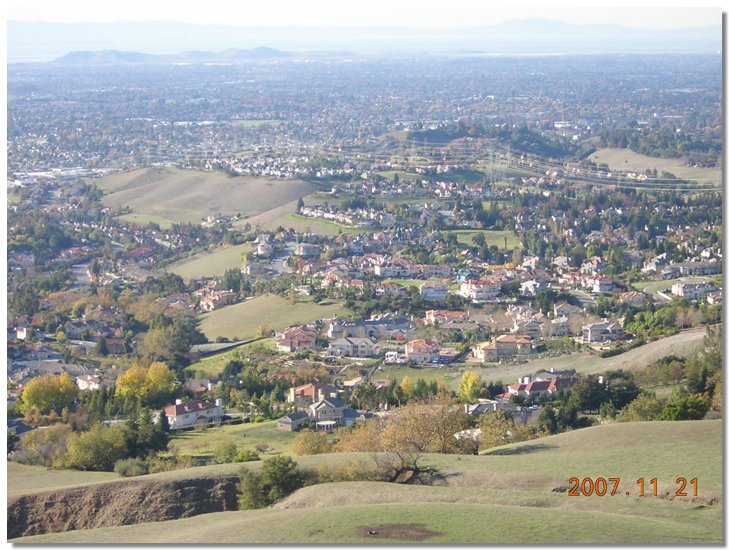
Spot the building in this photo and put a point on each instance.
(303, 396)
(421, 351)
(379, 328)
(434, 291)
(603, 331)
(298, 338)
(693, 291)
(293, 422)
(187, 415)
(88, 382)
(506, 345)
(353, 347)
(481, 290)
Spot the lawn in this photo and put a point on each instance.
(492, 237)
(255, 123)
(171, 195)
(506, 496)
(245, 436)
(242, 320)
(211, 264)
(627, 160)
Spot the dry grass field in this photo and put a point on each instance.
(171, 195)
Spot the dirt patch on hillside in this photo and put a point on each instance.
(110, 504)
(400, 531)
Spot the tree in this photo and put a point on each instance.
(102, 347)
(471, 387)
(280, 476)
(97, 449)
(225, 453)
(250, 490)
(44, 393)
(300, 204)
(160, 384)
(131, 383)
(497, 429)
(311, 443)
(407, 386)
(642, 408)
(548, 421)
(685, 407)
(588, 393)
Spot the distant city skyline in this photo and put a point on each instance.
(379, 14)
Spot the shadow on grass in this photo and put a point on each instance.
(521, 450)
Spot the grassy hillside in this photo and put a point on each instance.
(627, 160)
(243, 319)
(211, 264)
(505, 496)
(170, 195)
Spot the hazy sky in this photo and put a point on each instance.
(358, 13)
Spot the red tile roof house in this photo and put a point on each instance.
(187, 415)
(295, 339)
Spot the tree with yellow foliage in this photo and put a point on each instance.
(45, 393)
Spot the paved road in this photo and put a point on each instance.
(585, 299)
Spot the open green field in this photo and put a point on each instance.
(492, 237)
(242, 320)
(211, 264)
(245, 436)
(389, 174)
(505, 496)
(171, 195)
(627, 160)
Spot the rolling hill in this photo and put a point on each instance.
(512, 494)
(170, 195)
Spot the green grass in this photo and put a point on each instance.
(171, 195)
(213, 365)
(492, 237)
(503, 497)
(626, 160)
(245, 436)
(242, 320)
(211, 264)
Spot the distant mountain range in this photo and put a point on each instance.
(36, 41)
(109, 57)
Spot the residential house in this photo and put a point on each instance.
(353, 347)
(481, 290)
(506, 345)
(331, 412)
(293, 422)
(433, 316)
(88, 382)
(603, 331)
(434, 291)
(633, 298)
(693, 291)
(421, 351)
(187, 415)
(378, 328)
(302, 396)
(296, 338)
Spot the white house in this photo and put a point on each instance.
(434, 291)
(353, 347)
(186, 415)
